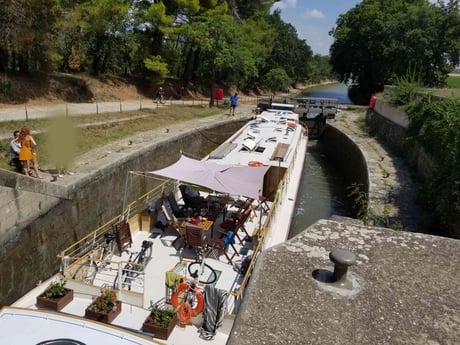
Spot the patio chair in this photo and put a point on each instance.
(173, 222)
(223, 245)
(192, 198)
(123, 232)
(178, 211)
(194, 238)
(237, 223)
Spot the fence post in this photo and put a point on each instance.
(27, 115)
(120, 105)
(97, 108)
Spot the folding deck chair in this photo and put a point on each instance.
(178, 211)
(237, 223)
(173, 222)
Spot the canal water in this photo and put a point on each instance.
(322, 192)
(336, 90)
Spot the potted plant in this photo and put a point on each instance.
(105, 307)
(160, 321)
(56, 296)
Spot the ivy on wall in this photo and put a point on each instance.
(435, 123)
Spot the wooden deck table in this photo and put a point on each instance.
(205, 223)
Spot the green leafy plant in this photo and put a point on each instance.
(105, 302)
(406, 88)
(55, 289)
(160, 316)
(360, 201)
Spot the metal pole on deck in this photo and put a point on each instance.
(64, 265)
(119, 282)
(125, 195)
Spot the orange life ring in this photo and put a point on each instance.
(185, 313)
(183, 287)
(255, 164)
(292, 124)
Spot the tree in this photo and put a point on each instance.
(319, 69)
(102, 24)
(26, 33)
(277, 79)
(289, 52)
(378, 40)
(216, 37)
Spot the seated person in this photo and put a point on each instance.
(192, 197)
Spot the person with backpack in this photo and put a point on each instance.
(159, 95)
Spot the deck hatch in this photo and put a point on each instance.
(280, 152)
(222, 150)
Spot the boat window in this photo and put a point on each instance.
(260, 149)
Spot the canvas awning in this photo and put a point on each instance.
(224, 178)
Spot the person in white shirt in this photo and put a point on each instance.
(15, 147)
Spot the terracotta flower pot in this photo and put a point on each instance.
(157, 331)
(57, 303)
(103, 316)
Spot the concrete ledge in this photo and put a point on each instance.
(404, 290)
(391, 113)
(21, 182)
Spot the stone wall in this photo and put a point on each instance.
(347, 157)
(390, 124)
(36, 226)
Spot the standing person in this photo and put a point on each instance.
(159, 96)
(15, 148)
(27, 154)
(233, 103)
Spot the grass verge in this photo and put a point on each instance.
(92, 131)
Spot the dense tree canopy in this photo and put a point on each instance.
(378, 41)
(236, 42)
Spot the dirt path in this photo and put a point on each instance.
(93, 159)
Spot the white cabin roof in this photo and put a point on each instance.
(268, 139)
(26, 326)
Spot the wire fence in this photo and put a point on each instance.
(29, 112)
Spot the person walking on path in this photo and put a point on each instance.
(27, 152)
(159, 95)
(15, 148)
(233, 103)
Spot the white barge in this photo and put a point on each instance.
(248, 188)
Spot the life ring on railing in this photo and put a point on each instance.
(292, 124)
(255, 164)
(197, 307)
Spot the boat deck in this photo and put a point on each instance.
(150, 287)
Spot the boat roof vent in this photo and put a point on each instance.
(249, 144)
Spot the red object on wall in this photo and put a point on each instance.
(372, 102)
(218, 94)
